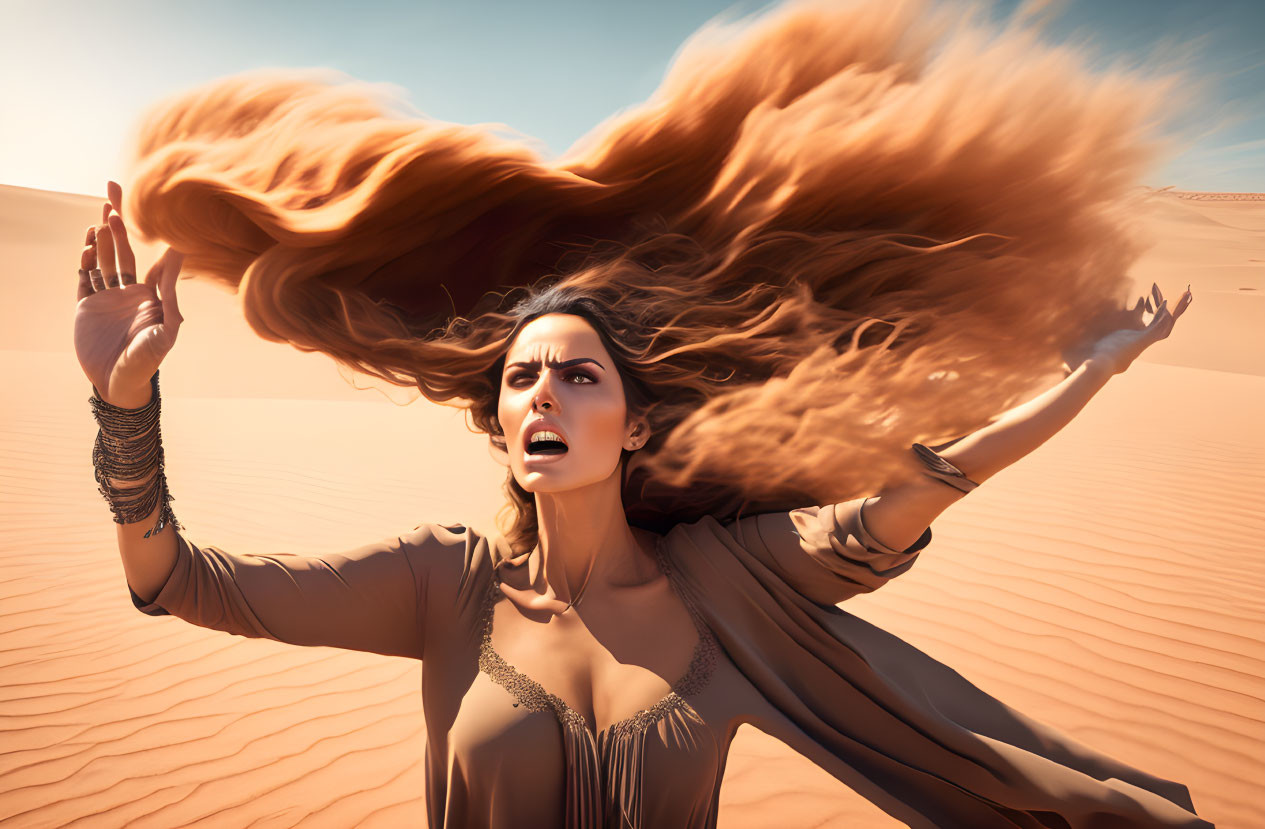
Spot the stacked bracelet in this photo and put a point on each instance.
(940, 469)
(129, 448)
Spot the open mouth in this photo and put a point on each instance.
(545, 442)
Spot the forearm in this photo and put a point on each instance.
(128, 464)
(147, 561)
(1022, 429)
(899, 514)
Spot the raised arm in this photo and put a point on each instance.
(830, 553)
(371, 598)
(899, 514)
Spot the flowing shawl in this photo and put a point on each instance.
(902, 729)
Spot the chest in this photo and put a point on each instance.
(606, 662)
(607, 736)
(666, 772)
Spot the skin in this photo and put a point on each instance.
(577, 494)
(606, 668)
(617, 651)
(123, 329)
(901, 512)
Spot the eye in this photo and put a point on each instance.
(584, 377)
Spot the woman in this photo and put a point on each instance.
(704, 349)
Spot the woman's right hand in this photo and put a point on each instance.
(123, 329)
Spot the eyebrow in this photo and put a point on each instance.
(557, 365)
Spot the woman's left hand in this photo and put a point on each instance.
(1119, 349)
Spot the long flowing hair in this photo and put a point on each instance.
(834, 230)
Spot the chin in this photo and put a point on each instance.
(553, 478)
(547, 482)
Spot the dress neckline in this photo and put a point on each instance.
(532, 695)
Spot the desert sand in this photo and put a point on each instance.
(1111, 584)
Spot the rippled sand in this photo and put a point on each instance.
(1111, 584)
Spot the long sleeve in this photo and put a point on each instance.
(903, 730)
(824, 552)
(364, 599)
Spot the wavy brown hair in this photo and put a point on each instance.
(834, 230)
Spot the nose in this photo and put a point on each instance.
(545, 399)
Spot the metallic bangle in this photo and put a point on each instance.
(129, 448)
(940, 469)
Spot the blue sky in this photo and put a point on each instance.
(77, 74)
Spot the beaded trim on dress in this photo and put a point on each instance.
(530, 694)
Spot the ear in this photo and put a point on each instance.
(638, 434)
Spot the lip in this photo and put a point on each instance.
(540, 426)
(534, 460)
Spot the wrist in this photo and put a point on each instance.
(1100, 367)
(130, 399)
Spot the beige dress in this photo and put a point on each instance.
(772, 650)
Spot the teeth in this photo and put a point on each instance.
(545, 434)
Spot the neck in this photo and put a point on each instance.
(583, 528)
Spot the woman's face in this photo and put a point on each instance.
(559, 376)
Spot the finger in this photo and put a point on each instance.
(1183, 303)
(127, 259)
(1136, 313)
(85, 283)
(115, 193)
(105, 212)
(171, 262)
(1149, 309)
(154, 275)
(105, 255)
(88, 258)
(1162, 319)
(1155, 293)
(98, 282)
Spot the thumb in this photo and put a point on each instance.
(163, 277)
(171, 262)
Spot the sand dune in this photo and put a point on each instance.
(1198, 196)
(1111, 584)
